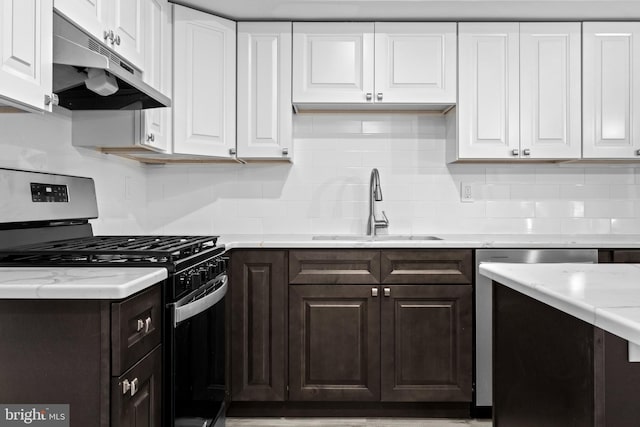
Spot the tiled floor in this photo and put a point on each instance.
(353, 422)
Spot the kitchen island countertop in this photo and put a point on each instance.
(604, 295)
(76, 282)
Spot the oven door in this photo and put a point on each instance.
(196, 362)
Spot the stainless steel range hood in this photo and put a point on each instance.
(77, 55)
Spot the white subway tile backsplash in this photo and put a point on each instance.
(610, 209)
(326, 188)
(560, 209)
(510, 209)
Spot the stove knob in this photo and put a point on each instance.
(195, 279)
(204, 274)
(213, 269)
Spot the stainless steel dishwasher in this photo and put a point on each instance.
(484, 298)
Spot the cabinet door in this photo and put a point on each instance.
(488, 90)
(426, 343)
(264, 90)
(611, 89)
(258, 325)
(334, 343)
(550, 91)
(127, 23)
(333, 62)
(90, 15)
(26, 47)
(415, 62)
(204, 102)
(157, 73)
(137, 394)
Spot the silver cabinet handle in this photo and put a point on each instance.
(374, 292)
(637, 152)
(379, 96)
(134, 386)
(51, 99)
(387, 292)
(151, 137)
(515, 152)
(232, 151)
(369, 96)
(147, 325)
(126, 386)
(140, 325)
(285, 151)
(117, 40)
(108, 36)
(526, 152)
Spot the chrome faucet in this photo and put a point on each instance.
(375, 195)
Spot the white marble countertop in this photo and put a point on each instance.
(604, 295)
(76, 282)
(525, 241)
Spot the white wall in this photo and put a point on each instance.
(325, 190)
(42, 142)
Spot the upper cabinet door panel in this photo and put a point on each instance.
(611, 90)
(415, 62)
(550, 90)
(488, 90)
(204, 83)
(128, 26)
(26, 49)
(264, 90)
(332, 62)
(90, 15)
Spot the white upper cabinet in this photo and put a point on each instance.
(26, 45)
(488, 90)
(204, 84)
(332, 62)
(415, 62)
(611, 91)
(156, 132)
(264, 90)
(374, 63)
(550, 91)
(519, 91)
(118, 23)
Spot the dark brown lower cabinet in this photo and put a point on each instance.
(334, 343)
(426, 349)
(402, 343)
(258, 325)
(61, 351)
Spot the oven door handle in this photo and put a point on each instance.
(187, 311)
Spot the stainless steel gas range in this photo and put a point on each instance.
(44, 221)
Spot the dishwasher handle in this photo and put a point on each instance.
(192, 307)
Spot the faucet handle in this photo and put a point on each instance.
(384, 222)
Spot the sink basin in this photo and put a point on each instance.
(378, 238)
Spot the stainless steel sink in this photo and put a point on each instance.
(380, 237)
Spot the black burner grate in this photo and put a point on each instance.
(111, 249)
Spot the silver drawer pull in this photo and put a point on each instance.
(379, 96)
(387, 292)
(374, 292)
(126, 386)
(140, 325)
(369, 96)
(147, 325)
(134, 386)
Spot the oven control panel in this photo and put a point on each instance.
(199, 275)
(49, 193)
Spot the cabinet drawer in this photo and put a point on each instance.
(335, 266)
(626, 256)
(135, 328)
(427, 266)
(137, 394)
